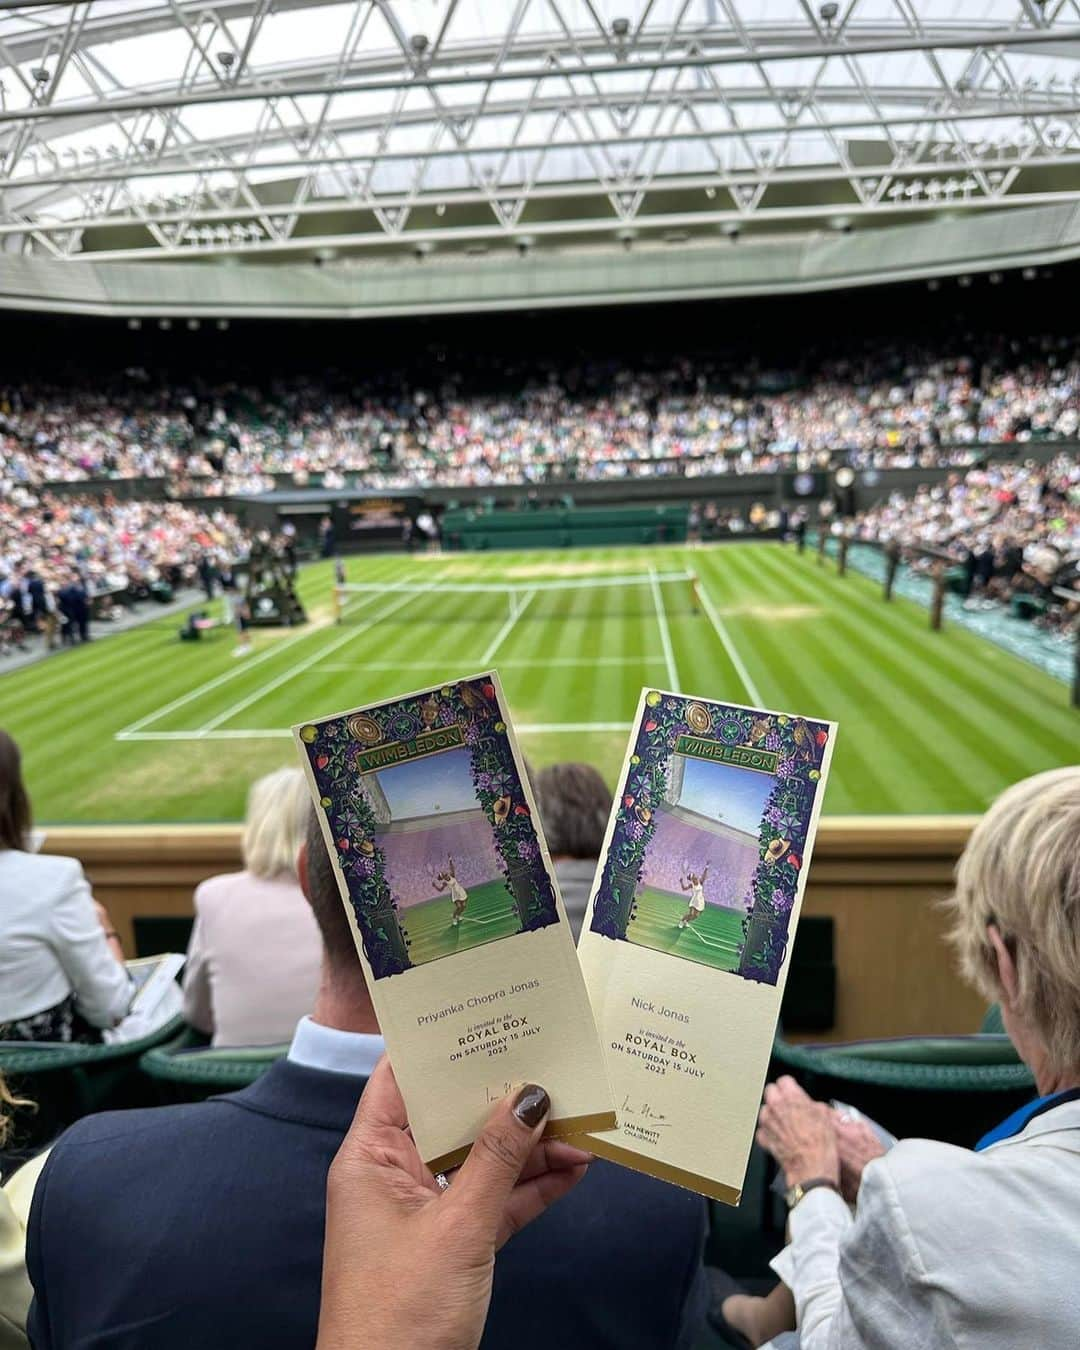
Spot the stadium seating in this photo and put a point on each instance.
(186, 1069)
(67, 1081)
(953, 1088)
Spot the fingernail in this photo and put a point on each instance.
(531, 1105)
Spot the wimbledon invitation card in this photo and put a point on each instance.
(686, 940)
(442, 866)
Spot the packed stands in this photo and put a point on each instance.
(125, 550)
(889, 406)
(1014, 528)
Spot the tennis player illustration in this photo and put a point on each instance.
(459, 896)
(695, 884)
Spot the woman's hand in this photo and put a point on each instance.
(799, 1133)
(407, 1264)
(857, 1145)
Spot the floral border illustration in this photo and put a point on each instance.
(799, 745)
(333, 748)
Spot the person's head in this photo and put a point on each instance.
(574, 804)
(277, 811)
(319, 883)
(15, 819)
(1016, 918)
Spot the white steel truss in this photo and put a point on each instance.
(134, 129)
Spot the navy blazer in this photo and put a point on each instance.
(202, 1226)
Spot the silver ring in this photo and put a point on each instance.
(442, 1181)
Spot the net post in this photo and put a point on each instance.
(337, 603)
(937, 599)
(695, 593)
(1076, 665)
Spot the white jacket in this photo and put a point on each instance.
(51, 943)
(948, 1248)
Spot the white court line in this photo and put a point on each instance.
(665, 635)
(276, 733)
(126, 733)
(232, 734)
(729, 646)
(495, 918)
(709, 942)
(312, 660)
(504, 631)
(531, 664)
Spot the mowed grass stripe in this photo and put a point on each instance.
(718, 578)
(960, 658)
(977, 731)
(365, 610)
(835, 675)
(965, 653)
(92, 667)
(948, 754)
(929, 721)
(807, 677)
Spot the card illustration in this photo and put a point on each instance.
(713, 816)
(431, 825)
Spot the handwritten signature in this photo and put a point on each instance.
(645, 1111)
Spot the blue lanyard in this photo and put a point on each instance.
(1022, 1118)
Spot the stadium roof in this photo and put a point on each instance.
(360, 135)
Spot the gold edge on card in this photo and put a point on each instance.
(562, 1127)
(653, 1167)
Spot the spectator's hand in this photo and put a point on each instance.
(857, 1145)
(406, 1264)
(799, 1133)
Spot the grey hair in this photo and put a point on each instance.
(1021, 871)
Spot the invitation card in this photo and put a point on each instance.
(445, 876)
(688, 933)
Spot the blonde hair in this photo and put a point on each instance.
(277, 812)
(7, 1102)
(1021, 871)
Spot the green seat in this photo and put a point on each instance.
(992, 1023)
(67, 1081)
(953, 1088)
(186, 1068)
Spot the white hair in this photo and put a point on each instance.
(1021, 871)
(277, 812)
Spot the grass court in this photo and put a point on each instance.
(143, 728)
(489, 915)
(714, 939)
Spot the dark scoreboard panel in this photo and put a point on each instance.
(363, 522)
(810, 486)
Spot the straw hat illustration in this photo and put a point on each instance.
(776, 849)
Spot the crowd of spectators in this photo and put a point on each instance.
(890, 407)
(62, 557)
(1013, 528)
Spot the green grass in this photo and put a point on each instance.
(713, 939)
(929, 722)
(489, 915)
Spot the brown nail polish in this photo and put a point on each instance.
(531, 1105)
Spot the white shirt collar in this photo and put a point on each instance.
(317, 1047)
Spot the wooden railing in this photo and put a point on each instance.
(880, 878)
